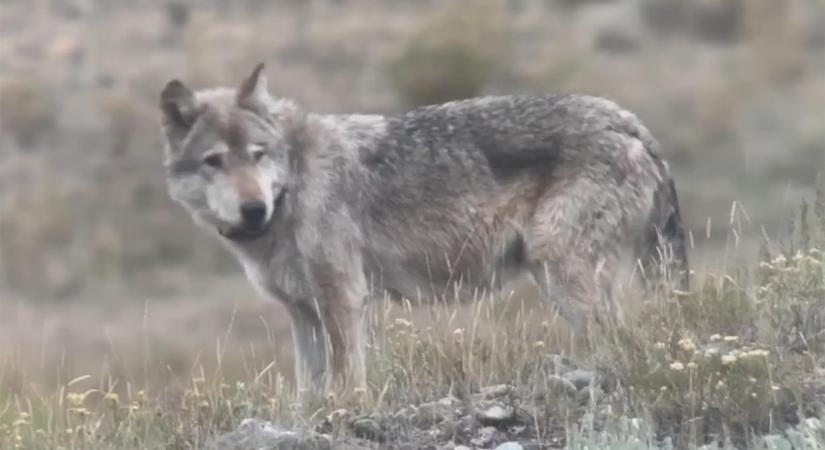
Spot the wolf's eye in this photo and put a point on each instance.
(214, 160)
(258, 151)
(257, 156)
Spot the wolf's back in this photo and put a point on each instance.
(524, 130)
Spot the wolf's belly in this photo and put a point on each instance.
(425, 280)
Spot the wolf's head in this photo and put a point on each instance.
(228, 153)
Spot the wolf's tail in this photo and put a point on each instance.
(662, 251)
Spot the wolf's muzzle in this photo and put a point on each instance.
(253, 214)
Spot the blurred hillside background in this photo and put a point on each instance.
(96, 262)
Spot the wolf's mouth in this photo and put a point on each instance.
(243, 234)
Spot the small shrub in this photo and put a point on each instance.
(717, 21)
(701, 386)
(792, 296)
(737, 357)
(452, 56)
(27, 110)
(123, 117)
(178, 13)
(792, 287)
(38, 240)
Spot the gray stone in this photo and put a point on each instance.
(510, 446)
(495, 414)
(579, 377)
(452, 446)
(495, 391)
(465, 424)
(351, 444)
(367, 428)
(449, 401)
(486, 436)
(432, 413)
(255, 434)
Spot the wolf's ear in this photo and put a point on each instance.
(177, 102)
(253, 92)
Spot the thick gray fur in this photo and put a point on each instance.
(443, 202)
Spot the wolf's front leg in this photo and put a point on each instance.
(345, 328)
(342, 304)
(309, 347)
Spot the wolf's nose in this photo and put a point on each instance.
(253, 213)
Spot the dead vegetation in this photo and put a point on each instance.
(157, 343)
(737, 362)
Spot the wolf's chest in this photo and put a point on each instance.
(258, 276)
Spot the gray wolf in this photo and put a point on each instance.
(442, 201)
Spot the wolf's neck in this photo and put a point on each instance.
(342, 135)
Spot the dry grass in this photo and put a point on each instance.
(739, 116)
(740, 357)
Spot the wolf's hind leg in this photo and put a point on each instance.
(574, 242)
(569, 289)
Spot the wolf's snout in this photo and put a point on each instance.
(253, 213)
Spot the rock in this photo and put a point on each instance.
(254, 434)
(510, 446)
(464, 425)
(432, 413)
(579, 377)
(495, 391)
(607, 379)
(451, 446)
(334, 420)
(406, 413)
(495, 414)
(367, 428)
(449, 401)
(711, 447)
(486, 436)
(351, 444)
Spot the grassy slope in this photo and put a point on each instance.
(742, 356)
